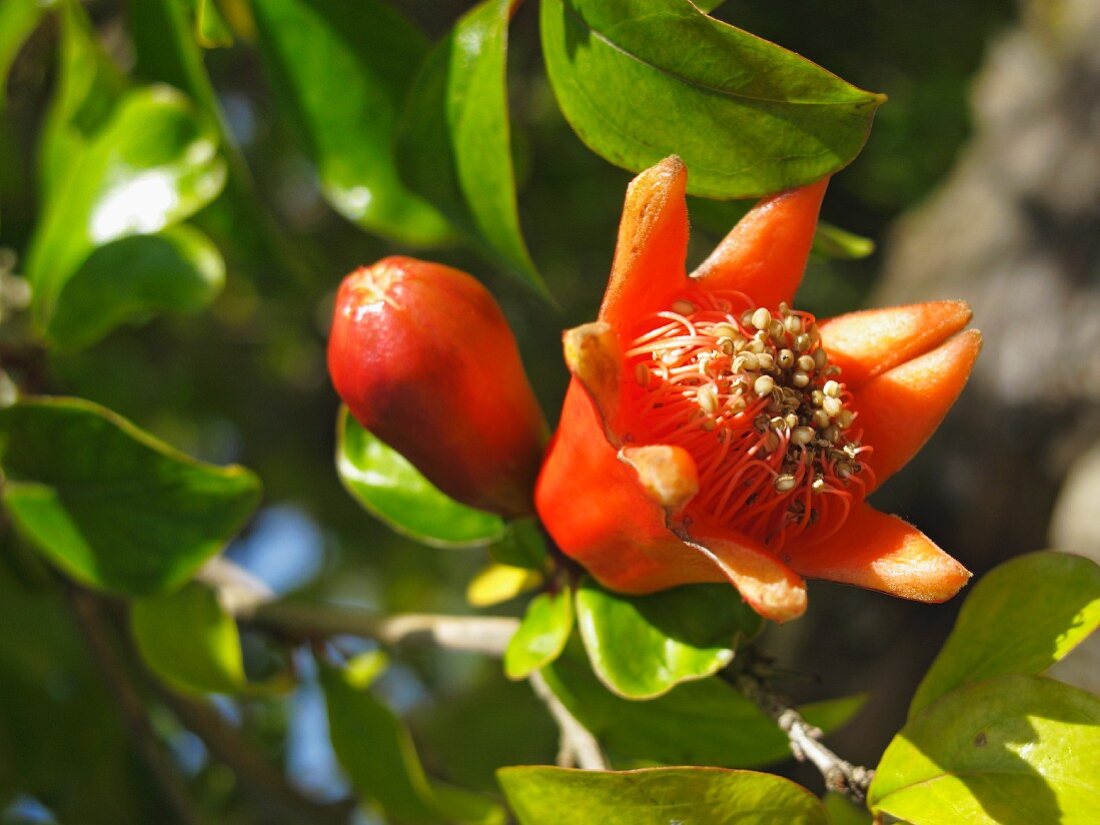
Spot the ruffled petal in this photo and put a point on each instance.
(771, 588)
(899, 410)
(882, 552)
(765, 255)
(865, 344)
(651, 253)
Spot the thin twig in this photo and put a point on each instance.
(805, 740)
(488, 635)
(92, 624)
(578, 747)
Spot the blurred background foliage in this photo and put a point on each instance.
(245, 381)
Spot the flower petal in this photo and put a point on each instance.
(600, 511)
(651, 253)
(593, 355)
(666, 473)
(765, 255)
(864, 344)
(900, 409)
(882, 552)
(770, 587)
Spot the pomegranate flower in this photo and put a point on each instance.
(425, 360)
(711, 432)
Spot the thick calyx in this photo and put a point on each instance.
(749, 392)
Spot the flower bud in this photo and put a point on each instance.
(424, 359)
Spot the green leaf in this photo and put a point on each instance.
(211, 31)
(109, 504)
(542, 635)
(498, 583)
(454, 144)
(379, 756)
(522, 545)
(698, 723)
(1012, 749)
(840, 810)
(1022, 617)
(18, 18)
(189, 641)
(340, 70)
(151, 165)
(642, 646)
(834, 242)
(747, 117)
(390, 488)
(657, 796)
(175, 270)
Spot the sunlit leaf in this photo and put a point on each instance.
(1022, 617)
(189, 640)
(840, 810)
(151, 165)
(387, 485)
(109, 504)
(211, 31)
(657, 796)
(498, 583)
(175, 270)
(748, 117)
(1011, 749)
(380, 758)
(697, 723)
(834, 242)
(642, 646)
(18, 18)
(340, 70)
(455, 146)
(542, 635)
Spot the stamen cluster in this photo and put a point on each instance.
(749, 392)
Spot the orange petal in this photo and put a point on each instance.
(900, 409)
(765, 254)
(864, 344)
(649, 267)
(667, 473)
(882, 552)
(593, 355)
(770, 587)
(601, 511)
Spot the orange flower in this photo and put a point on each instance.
(424, 359)
(713, 433)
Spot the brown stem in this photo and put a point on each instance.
(805, 740)
(93, 626)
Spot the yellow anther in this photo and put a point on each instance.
(707, 397)
(802, 435)
(832, 407)
(806, 363)
(793, 324)
(785, 359)
(802, 342)
(800, 379)
(784, 483)
(761, 318)
(845, 419)
(763, 385)
(683, 307)
(766, 361)
(821, 358)
(831, 389)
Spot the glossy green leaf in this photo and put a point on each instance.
(642, 646)
(522, 545)
(498, 583)
(89, 86)
(454, 145)
(697, 723)
(18, 18)
(1012, 749)
(388, 486)
(211, 30)
(1022, 617)
(340, 70)
(380, 758)
(150, 166)
(175, 270)
(707, 5)
(542, 634)
(656, 796)
(747, 116)
(109, 504)
(189, 641)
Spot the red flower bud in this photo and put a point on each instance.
(711, 432)
(424, 359)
